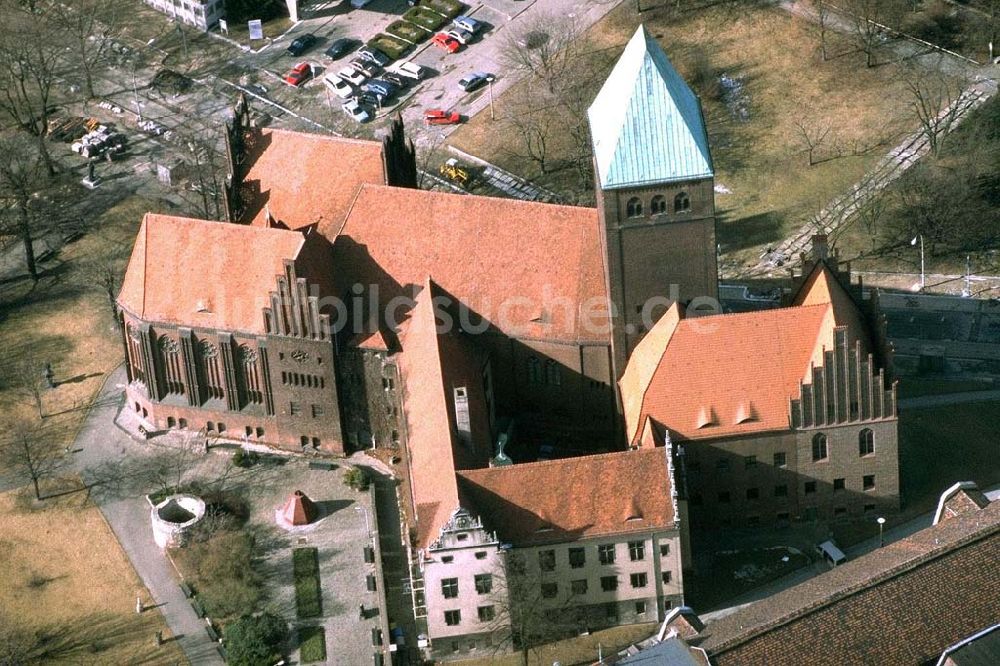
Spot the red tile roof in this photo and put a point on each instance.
(613, 493)
(733, 374)
(299, 510)
(528, 267)
(902, 604)
(304, 179)
(205, 274)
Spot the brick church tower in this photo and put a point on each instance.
(655, 192)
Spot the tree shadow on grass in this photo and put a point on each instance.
(83, 640)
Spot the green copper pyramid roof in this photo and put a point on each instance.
(646, 123)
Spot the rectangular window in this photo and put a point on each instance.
(606, 553)
(449, 588)
(722, 464)
(664, 549)
(640, 608)
(579, 586)
(838, 484)
(636, 550)
(577, 558)
(388, 384)
(549, 590)
(753, 521)
(453, 617)
(317, 411)
(638, 579)
(781, 490)
(868, 481)
(840, 511)
(480, 554)
(609, 583)
(810, 513)
(486, 613)
(753, 493)
(869, 508)
(724, 497)
(779, 459)
(547, 560)
(447, 559)
(484, 583)
(294, 408)
(666, 577)
(749, 461)
(783, 518)
(810, 487)
(611, 612)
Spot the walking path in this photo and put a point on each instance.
(100, 441)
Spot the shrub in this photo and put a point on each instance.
(224, 572)
(243, 458)
(939, 23)
(357, 478)
(255, 641)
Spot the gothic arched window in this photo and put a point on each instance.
(658, 206)
(633, 208)
(820, 451)
(682, 202)
(866, 442)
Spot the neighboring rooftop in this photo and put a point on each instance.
(303, 179)
(613, 493)
(901, 604)
(530, 268)
(205, 274)
(646, 123)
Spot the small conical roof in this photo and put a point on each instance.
(299, 509)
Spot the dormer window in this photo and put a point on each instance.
(634, 207)
(682, 202)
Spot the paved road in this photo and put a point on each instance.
(99, 440)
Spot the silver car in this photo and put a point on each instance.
(356, 111)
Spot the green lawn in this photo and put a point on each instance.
(942, 445)
(312, 644)
(305, 569)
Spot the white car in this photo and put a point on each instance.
(352, 75)
(408, 69)
(356, 111)
(467, 23)
(459, 35)
(339, 86)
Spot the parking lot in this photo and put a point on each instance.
(439, 89)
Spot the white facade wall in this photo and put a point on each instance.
(202, 14)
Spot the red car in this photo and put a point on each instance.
(442, 117)
(446, 42)
(299, 74)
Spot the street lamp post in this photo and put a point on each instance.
(881, 537)
(489, 82)
(923, 280)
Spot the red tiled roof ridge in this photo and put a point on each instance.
(564, 461)
(756, 313)
(327, 137)
(920, 559)
(523, 203)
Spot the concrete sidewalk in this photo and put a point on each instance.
(98, 441)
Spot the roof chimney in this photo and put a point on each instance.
(820, 247)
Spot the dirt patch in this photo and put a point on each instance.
(69, 590)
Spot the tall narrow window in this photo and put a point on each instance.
(172, 371)
(658, 206)
(634, 207)
(250, 374)
(534, 370)
(866, 442)
(682, 202)
(552, 374)
(819, 447)
(134, 352)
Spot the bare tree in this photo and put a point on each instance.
(811, 137)
(866, 17)
(533, 126)
(24, 375)
(28, 64)
(543, 45)
(934, 103)
(206, 167)
(525, 617)
(22, 175)
(822, 12)
(89, 26)
(870, 212)
(29, 455)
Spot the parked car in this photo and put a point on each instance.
(395, 79)
(472, 81)
(380, 87)
(341, 47)
(462, 36)
(442, 117)
(408, 69)
(301, 44)
(446, 42)
(298, 74)
(370, 99)
(365, 67)
(374, 56)
(467, 23)
(352, 75)
(354, 109)
(339, 86)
